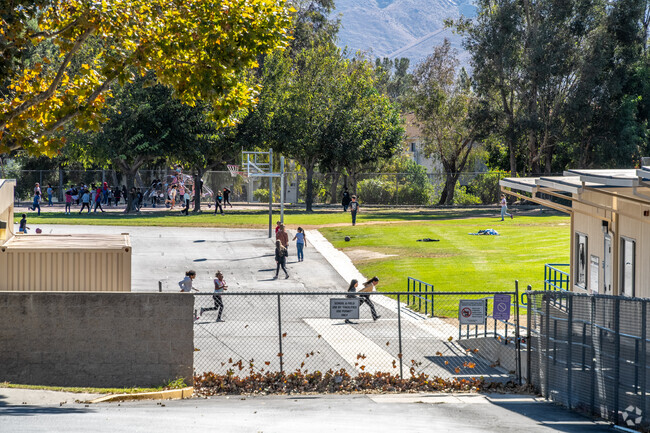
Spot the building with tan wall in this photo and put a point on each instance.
(610, 225)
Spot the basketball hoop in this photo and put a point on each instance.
(234, 170)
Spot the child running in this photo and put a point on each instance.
(219, 287)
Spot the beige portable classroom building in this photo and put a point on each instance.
(60, 262)
(610, 226)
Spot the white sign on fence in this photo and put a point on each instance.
(471, 311)
(345, 308)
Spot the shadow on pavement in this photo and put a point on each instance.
(551, 415)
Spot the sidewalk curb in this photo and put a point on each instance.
(172, 394)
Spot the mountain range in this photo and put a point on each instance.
(400, 28)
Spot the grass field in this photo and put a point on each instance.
(459, 261)
(242, 218)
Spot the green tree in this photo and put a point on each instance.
(442, 101)
(201, 49)
(145, 124)
(320, 107)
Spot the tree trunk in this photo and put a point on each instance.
(309, 194)
(334, 188)
(451, 178)
(197, 189)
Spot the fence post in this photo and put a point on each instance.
(433, 302)
(643, 403)
(545, 276)
(529, 341)
(547, 329)
(569, 361)
(408, 291)
(593, 357)
(280, 354)
(517, 340)
(419, 297)
(617, 355)
(399, 332)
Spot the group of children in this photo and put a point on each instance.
(186, 285)
(282, 247)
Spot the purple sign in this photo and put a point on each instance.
(501, 307)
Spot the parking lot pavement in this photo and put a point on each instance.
(453, 413)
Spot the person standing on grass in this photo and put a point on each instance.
(226, 196)
(354, 208)
(301, 242)
(49, 195)
(504, 207)
(219, 287)
(280, 259)
(68, 201)
(283, 237)
(345, 201)
(369, 286)
(85, 200)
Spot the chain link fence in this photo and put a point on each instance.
(272, 332)
(590, 353)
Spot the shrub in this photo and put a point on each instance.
(464, 198)
(261, 194)
(375, 191)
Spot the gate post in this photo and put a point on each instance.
(517, 339)
(280, 354)
(399, 332)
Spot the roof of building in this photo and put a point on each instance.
(68, 242)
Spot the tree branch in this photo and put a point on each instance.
(43, 96)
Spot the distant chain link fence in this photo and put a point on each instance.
(372, 188)
(590, 353)
(272, 332)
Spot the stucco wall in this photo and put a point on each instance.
(96, 339)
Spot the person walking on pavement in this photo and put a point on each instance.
(217, 202)
(354, 208)
(301, 243)
(280, 259)
(98, 200)
(186, 200)
(186, 285)
(504, 207)
(226, 196)
(50, 191)
(345, 201)
(85, 200)
(219, 287)
(283, 237)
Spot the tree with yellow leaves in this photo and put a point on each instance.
(59, 58)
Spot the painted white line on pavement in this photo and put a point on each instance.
(349, 343)
(344, 266)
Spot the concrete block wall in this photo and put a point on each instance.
(96, 339)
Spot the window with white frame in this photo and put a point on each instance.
(581, 260)
(628, 265)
